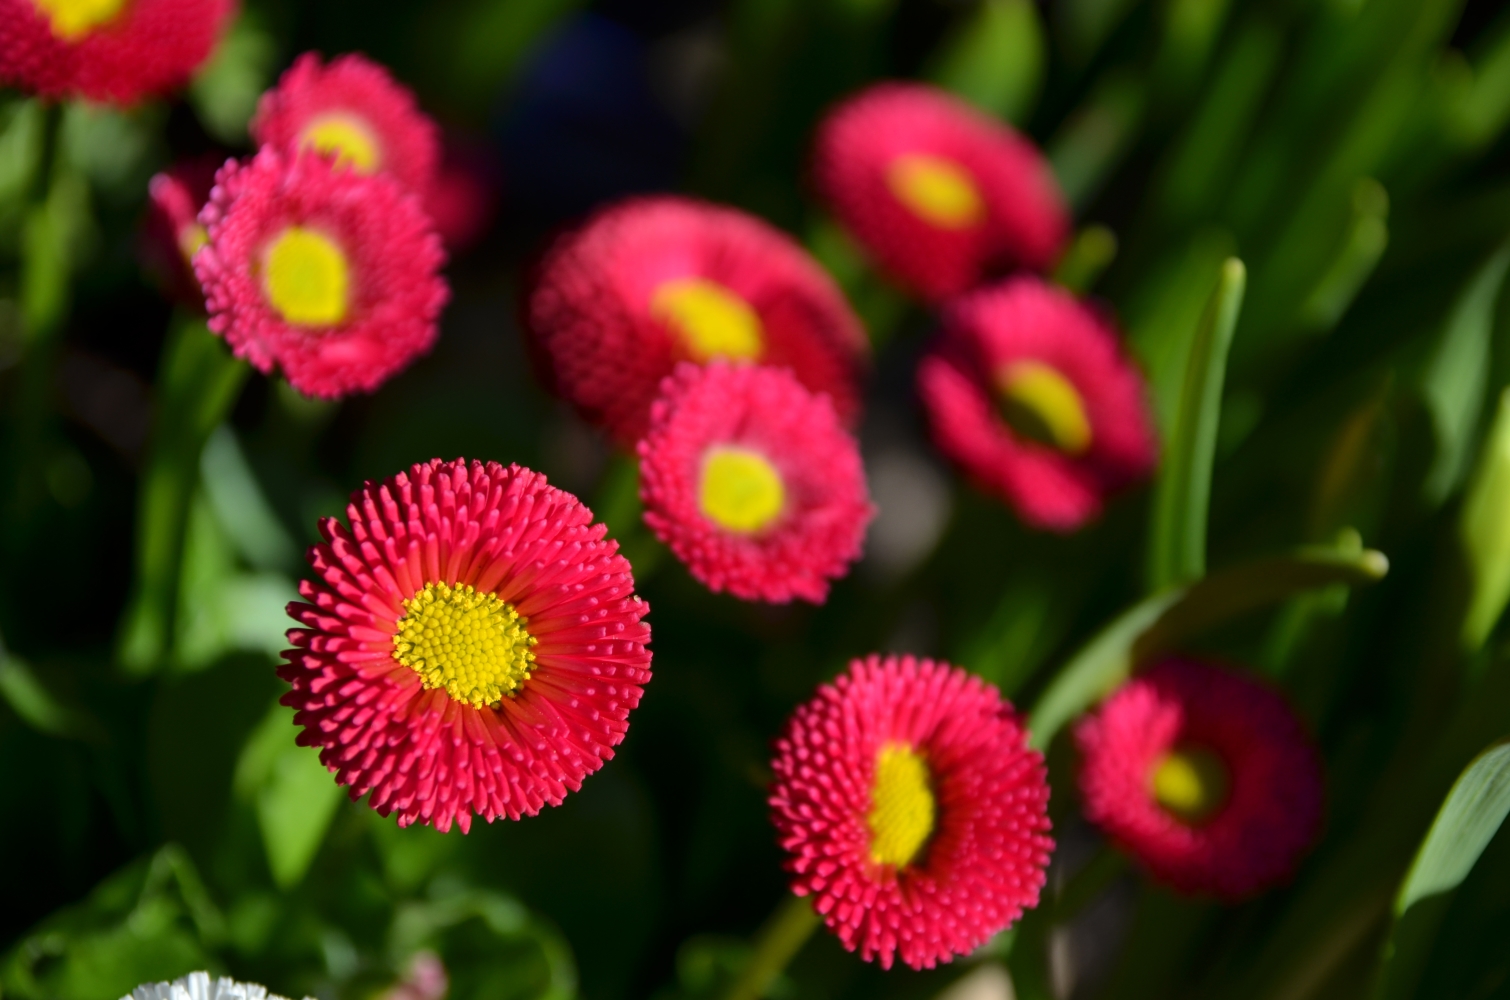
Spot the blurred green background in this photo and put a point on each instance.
(158, 817)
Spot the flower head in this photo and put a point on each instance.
(116, 51)
(654, 281)
(912, 809)
(1203, 775)
(752, 482)
(173, 231)
(199, 986)
(353, 110)
(472, 645)
(940, 194)
(1030, 393)
(331, 275)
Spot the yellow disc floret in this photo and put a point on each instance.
(936, 190)
(712, 321)
(348, 138)
(307, 278)
(741, 490)
(1041, 404)
(472, 644)
(73, 19)
(902, 808)
(1191, 783)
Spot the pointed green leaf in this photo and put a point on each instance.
(1169, 618)
(1457, 376)
(1177, 552)
(1469, 818)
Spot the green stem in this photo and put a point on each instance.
(197, 386)
(780, 939)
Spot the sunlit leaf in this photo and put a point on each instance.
(294, 795)
(994, 58)
(1177, 546)
(1457, 377)
(1469, 818)
(1168, 619)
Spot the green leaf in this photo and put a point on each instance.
(1094, 249)
(1093, 140)
(1468, 820)
(39, 707)
(1484, 530)
(295, 797)
(1168, 619)
(1362, 247)
(225, 91)
(1177, 550)
(994, 58)
(1456, 378)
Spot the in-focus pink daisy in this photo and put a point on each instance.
(1205, 776)
(653, 281)
(173, 233)
(352, 109)
(472, 645)
(912, 810)
(330, 275)
(1030, 392)
(115, 51)
(752, 482)
(938, 193)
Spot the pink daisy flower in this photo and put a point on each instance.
(115, 51)
(472, 645)
(938, 193)
(1030, 392)
(173, 234)
(753, 483)
(653, 281)
(352, 109)
(1205, 776)
(330, 275)
(912, 810)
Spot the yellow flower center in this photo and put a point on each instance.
(307, 278)
(73, 19)
(473, 645)
(1192, 784)
(345, 136)
(936, 190)
(1042, 405)
(902, 808)
(741, 490)
(712, 321)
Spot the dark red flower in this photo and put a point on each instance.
(653, 281)
(1205, 776)
(173, 234)
(331, 275)
(115, 51)
(912, 810)
(473, 645)
(1029, 391)
(350, 108)
(941, 195)
(752, 482)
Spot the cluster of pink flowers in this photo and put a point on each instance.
(472, 645)
(317, 255)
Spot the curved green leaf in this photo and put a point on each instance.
(1167, 619)
(1468, 820)
(1177, 552)
(995, 58)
